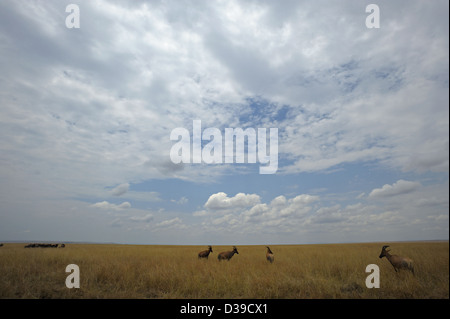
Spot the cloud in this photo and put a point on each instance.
(244, 210)
(221, 201)
(143, 196)
(398, 188)
(333, 214)
(183, 200)
(174, 222)
(211, 63)
(109, 206)
(340, 94)
(315, 218)
(146, 218)
(117, 222)
(120, 189)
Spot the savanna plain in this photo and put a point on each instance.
(298, 272)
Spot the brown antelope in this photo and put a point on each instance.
(227, 254)
(269, 255)
(205, 253)
(397, 262)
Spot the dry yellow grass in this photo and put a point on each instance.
(299, 271)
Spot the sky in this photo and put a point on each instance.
(86, 116)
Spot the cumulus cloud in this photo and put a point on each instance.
(398, 188)
(316, 218)
(222, 201)
(243, 210)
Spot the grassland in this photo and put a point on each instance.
(299, 272)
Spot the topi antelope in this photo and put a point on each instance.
(397, 262)
(205, 253)
(227, 254)
(269, 255)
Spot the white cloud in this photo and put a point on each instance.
(244, 210)
(398, 188)
(200, 213)
(109, 206)
(331, 214)
(278, 201)
(380, 215)
(183, 200)
(174, 222)
(222, 201)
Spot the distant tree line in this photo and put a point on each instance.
(34, 245)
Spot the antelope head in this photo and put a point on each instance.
(384, 251)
